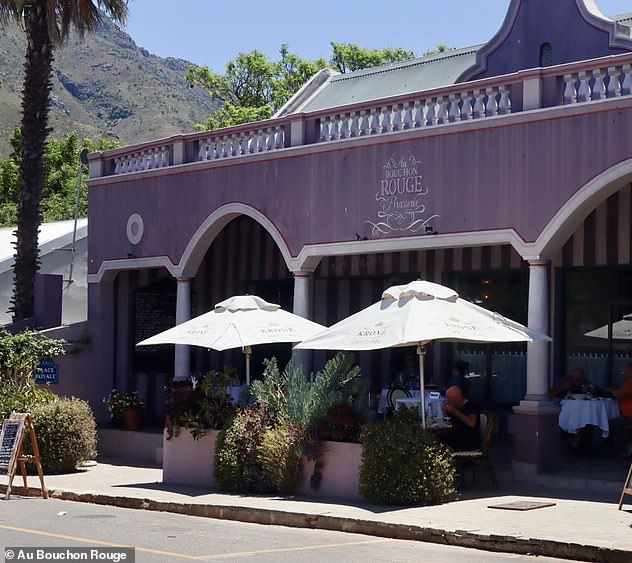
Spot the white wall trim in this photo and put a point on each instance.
(109, 268)
(213, 225)
(310, 255)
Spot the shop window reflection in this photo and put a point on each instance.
(597, 320)
(497, 372)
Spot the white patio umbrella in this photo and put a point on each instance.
(414, 315)
(621, 330)
(241, 321)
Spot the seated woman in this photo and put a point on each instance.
(408, 376)
(465, 434)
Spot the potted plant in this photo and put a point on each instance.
(128, 405)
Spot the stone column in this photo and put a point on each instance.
(303, 308)
(182, 369)
(537, 431)
(539, 320)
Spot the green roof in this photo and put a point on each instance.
(393, 79)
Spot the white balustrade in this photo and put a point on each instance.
(416, 113)
(242, 143)
(597, 84)
(148, 159)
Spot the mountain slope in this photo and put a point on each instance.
(105, 85)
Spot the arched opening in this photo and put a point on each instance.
(593, 289)
(243, 258)
(546, 55)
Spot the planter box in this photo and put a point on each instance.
(186, 461)
(130, 447)
(191, 462)
(340, 473)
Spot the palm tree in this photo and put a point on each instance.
(47, 24)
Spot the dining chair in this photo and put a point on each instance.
(482, 456)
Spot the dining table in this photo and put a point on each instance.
(414, 400)
(579, 413)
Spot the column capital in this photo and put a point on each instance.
(184, 279)
(303, 273)
(540, 263)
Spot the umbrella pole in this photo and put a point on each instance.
(248, 352)
(421, 353)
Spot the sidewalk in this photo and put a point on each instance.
(588, 530)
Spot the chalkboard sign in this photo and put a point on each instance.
(154, 312)
(10, 441)
(627, 488)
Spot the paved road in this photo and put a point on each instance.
(168, 538)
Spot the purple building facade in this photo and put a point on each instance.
(504, 171)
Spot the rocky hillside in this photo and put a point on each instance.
(105, 85)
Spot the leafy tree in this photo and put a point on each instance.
(253, 87)
(47, 24)
(442, 48)
(348, 57)
(61, 163)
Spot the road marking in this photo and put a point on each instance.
(95, 542)
(230, 555)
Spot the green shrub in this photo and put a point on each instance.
(22, 398)
(238, 465)
(280, 456)
(66, 434)
(199, 405)
(403, 464)
(302, 400)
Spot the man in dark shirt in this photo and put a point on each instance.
(465, 434)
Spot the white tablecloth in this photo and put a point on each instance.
(383, 404)
(575, 415)
(435, 405)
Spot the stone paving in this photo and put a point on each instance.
(579, 529)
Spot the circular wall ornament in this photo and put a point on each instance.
(135, 228)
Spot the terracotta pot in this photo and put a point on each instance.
(133, 419)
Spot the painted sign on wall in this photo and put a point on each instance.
(400, 198)
(47, 372)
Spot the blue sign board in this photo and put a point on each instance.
(47, 372)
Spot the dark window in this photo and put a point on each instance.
(546, 55)
(597, 322)
(498, 372)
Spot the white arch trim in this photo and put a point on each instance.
(213, 225)
(578, 207)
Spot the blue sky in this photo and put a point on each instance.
(210, 32)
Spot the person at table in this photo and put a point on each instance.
(465, 434)
(408, 376)
(576, 382)
(618, 425)
(459, 371)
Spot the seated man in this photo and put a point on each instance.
(576, 382)
(459, 370)
(465, 434)
(618, 425)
